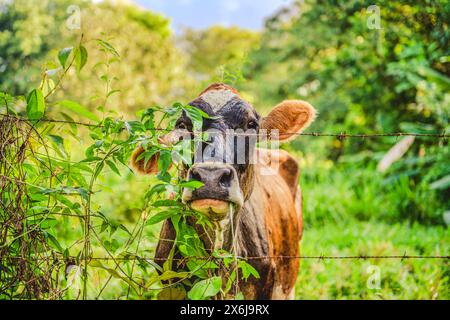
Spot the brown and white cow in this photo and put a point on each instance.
(267, 219)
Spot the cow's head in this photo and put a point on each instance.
(224, 162)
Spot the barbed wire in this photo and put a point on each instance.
(341, 135)
(306, 257)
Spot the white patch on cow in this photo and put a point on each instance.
(235, 193)
(291, 295)
(279, 294)
(218, 98)
(215, 149)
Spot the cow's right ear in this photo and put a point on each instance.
(140, 165)
(289, 118)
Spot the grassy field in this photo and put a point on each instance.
(352, 279)
(350, 212)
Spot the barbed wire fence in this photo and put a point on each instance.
(341, 135)
(13, 134)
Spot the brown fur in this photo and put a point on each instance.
(138, 165)
(219, 86)
(289, 117)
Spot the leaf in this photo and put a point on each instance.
(230, 281)
(196, 116)
(47, 223)
(63, 55)
(112, 92)
(59, 141)
(205, 288)
(170, 274)
(113, 273)
(194, 184)
(81, 56)
(73, 125)
(166, 203)
(55, 242)
(98, 169)
(113, 167)
(134, 126)
(35, 104)
(157, 189)
(196, 112)
(164, 163)
(161, 216)
(172, 293)
(167, 265)
(247, 270)
(47, 85)
(239, 296)
(108, 47)
(79, 109)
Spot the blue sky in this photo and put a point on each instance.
(203, 13)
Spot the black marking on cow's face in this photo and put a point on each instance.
(234, 114)
(238, 114)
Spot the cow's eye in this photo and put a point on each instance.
(252, 124)
(181, 125)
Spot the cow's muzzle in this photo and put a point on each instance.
(220, 189)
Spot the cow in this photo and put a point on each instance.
(267, 220)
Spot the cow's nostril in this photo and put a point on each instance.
(195, 175)
(225, 178)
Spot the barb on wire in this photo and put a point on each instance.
(340, 136)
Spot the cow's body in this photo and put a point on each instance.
(270, 225)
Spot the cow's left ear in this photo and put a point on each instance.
(289, 118)
(143, 166)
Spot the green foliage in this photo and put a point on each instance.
(150, 68)
(366, 80)
(218, 53)
(205, 288)
(63, 55)
(27, 34)
(78, 109)
(35, 104)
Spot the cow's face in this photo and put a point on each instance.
(224, 162)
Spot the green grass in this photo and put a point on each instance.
(351, 211)
(399, 279)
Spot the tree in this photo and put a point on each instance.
(151, 69)
(218, 53)
(27, 33)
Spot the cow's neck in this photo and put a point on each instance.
(248, 227)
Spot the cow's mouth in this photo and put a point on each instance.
(214, 209)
